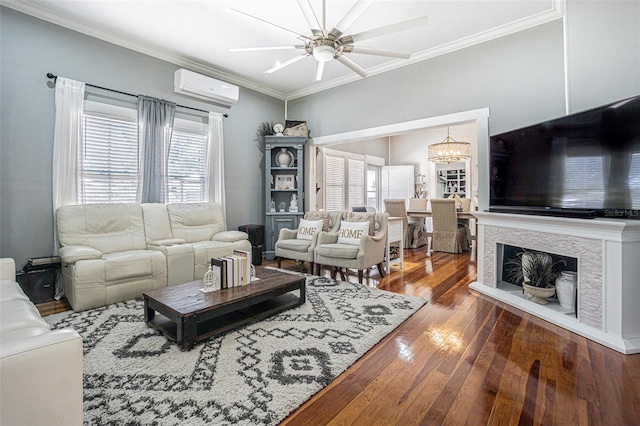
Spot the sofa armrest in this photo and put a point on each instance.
(327, 237)
(230, 236)
(71, 254)
(288, 234)
(46, 368)
(167, 242)
(7, 269)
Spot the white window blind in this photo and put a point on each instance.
(108, 166)
(108, 171)
(187, 166)
(334, 183)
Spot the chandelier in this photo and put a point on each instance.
(449, 151)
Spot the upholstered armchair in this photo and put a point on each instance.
(298, 245)
(448, 235)
(352, 248)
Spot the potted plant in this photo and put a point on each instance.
(535, 271)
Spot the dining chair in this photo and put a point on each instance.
(420, 231)
(398, 208)
(448, 235)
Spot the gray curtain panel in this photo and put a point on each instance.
(155, 126)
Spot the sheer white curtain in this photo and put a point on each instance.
(155, 126)
(67, 137)
(214, 186)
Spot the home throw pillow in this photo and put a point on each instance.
(327, 223)
(307, 229)
(374, 227)
(351, 232)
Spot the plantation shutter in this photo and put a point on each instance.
(356, 183)
(108, 166)
(334, 177)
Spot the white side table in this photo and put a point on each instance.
(395, 234)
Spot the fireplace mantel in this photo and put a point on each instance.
(608, 253)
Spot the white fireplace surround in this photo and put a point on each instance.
(608, 254)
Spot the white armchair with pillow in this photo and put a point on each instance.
(359, 244)
(299, 244)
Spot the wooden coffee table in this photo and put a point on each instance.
(186, 315)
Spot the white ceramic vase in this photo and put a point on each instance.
(566, 285)
(285, 158)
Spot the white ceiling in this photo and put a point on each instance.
(198, 34)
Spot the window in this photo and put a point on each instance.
(334, 183)
(187, 166)
(345, 180)
(356, 183)
(108, 165)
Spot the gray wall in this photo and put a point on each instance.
(603, 46)
(520, 77)
(30, 48)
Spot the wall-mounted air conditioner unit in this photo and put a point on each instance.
(202, 87)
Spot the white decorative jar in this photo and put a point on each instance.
(285, 158)
(566, 285)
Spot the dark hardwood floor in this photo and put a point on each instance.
(466, 359)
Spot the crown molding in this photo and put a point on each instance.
(36, 11)
(556, 11)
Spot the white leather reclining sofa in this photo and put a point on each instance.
(40, 368)
(115, 252)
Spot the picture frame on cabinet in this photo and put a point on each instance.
(285, 182)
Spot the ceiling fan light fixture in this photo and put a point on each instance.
(449, 151)
(323, 53)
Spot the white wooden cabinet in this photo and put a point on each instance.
(395, 234)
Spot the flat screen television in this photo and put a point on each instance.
(582, 165)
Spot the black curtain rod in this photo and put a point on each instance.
(55, 77)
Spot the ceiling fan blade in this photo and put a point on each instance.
(350, 64)
(319, 70)
(257, 49)
(348, 19)
(312, 19)
(377, 52)
(300, 36)
(286, 63)
(387, 29)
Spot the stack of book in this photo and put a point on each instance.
(233, 270)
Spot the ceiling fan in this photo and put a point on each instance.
(325, 45)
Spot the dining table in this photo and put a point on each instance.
(427, 213)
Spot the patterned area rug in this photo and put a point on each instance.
(256, 375)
